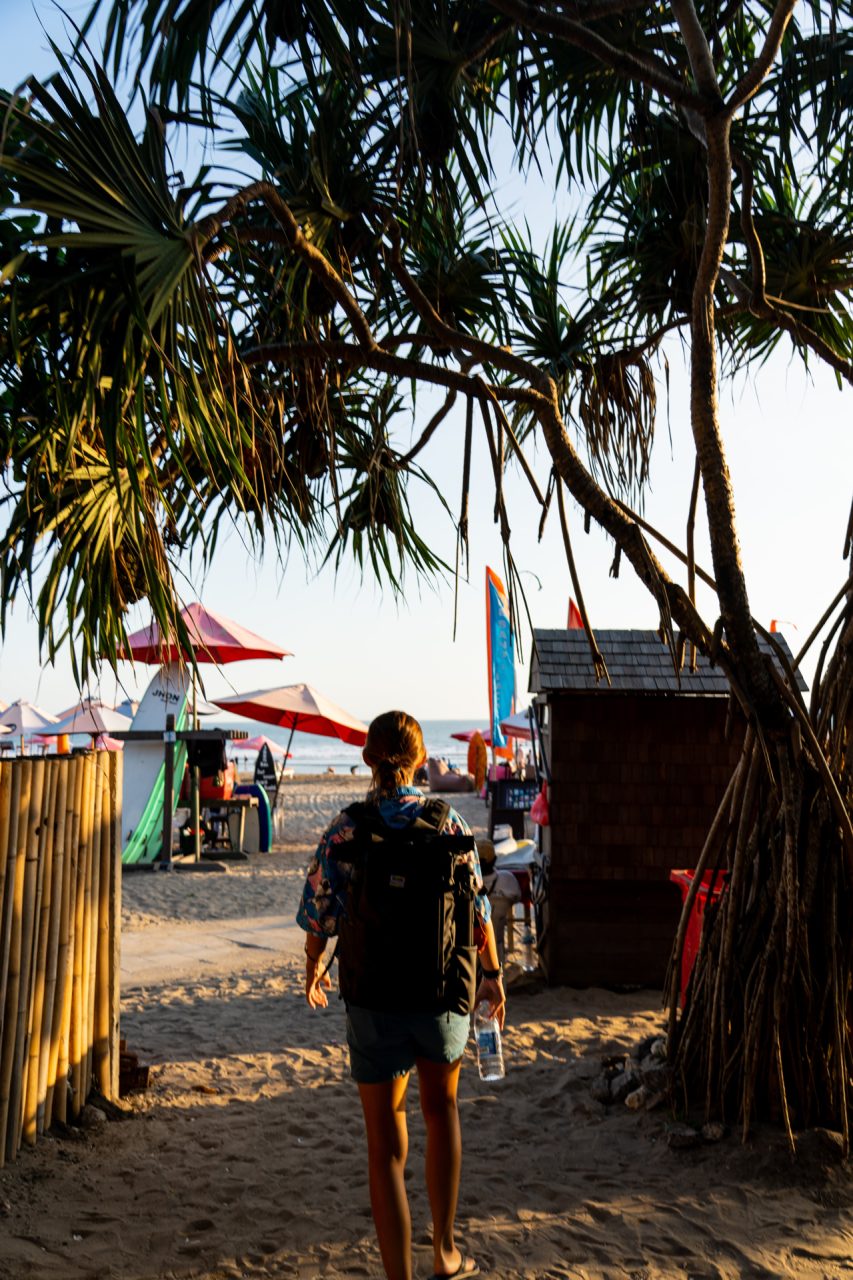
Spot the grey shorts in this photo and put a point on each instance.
(384, 1046)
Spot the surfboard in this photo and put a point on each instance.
(257, 835)
(144, 765)
(477, 760)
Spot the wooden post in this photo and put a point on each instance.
(58, 920)
(32, 823)
(109, 936)
(196, 786)
(64, 1052)
(168, 790)
(100, 984)
(44, 1028)
(41, 926)
(78, 1002)
(10, 801)
(98, 774)
(12, 919)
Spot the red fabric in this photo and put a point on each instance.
(575, 622)
(539, 812)
(214, 639)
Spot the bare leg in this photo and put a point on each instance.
(438, 1083)
(384, 1107)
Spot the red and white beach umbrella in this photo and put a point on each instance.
(515, 726)
(214, 639)
(259, 742)
(298, 706)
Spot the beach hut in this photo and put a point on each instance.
(638, 769)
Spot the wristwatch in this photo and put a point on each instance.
(492, 973)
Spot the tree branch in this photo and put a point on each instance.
(383, 361)
(698, 50)
(316, 262)
(593, 11)
(670, 597)
(751, 81)
(750, 235)
(485, 352)
(626, 64)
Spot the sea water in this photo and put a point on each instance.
(313, 754)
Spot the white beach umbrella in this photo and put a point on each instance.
(128, 707)
(91, 716)
(23, 717)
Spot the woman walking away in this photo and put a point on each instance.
(397, 881)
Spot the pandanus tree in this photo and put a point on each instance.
(176, 353)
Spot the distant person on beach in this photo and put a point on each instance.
(503, 890)
(387, 1043)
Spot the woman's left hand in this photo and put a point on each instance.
(492, 991)
(316, 983)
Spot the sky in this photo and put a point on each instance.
(789, 442)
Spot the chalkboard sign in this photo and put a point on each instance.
(265, 772)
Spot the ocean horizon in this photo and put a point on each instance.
(313, 754)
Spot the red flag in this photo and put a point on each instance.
(575, 620)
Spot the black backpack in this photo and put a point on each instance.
(406, 936)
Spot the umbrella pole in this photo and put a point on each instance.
(284, 761)
(196, 787)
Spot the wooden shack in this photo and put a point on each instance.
(638, 769)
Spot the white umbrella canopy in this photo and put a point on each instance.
(91, 716)
(128, 707)
(23, 717)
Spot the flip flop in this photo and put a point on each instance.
(460, 1271)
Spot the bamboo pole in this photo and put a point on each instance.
(5, 807)
(78, 1028)
(52, 950)
(60, 1097)
(31, 822)
(58, 948)
(12, 914)
(38, 983)
(93, 918)
(10, 799)
(115, 918)
(103, 985)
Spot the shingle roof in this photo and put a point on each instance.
(638, 662)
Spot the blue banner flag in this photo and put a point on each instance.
(501, 653)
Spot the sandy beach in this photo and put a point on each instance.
(245, 1157)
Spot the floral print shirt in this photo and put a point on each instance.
(325, 892)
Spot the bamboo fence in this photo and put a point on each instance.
(60, 908)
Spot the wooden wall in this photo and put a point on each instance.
(60, 906)
(636, 783)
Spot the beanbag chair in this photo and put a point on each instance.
(443, 779)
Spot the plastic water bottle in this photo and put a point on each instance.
(528, 949)
(487, 1033)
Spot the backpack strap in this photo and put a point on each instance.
(433, 818)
